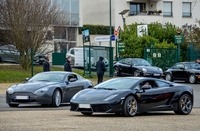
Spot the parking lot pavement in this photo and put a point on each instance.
(71, 121)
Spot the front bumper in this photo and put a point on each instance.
(150, 74)
(28, 98)
(113, 107)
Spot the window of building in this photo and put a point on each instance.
(136, 8)
(167, 8)
(186, 9)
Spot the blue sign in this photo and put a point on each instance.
(112, 38)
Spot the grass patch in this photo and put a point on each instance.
(15, 74)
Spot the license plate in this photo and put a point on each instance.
(84, 105)
(22, 97)
(156, 74)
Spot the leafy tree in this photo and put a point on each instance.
(157, 37)
(28, 24)
(192, 36)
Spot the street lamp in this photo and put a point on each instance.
(123, 13)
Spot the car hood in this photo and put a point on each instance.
(32, 86)
(96, 95)
(151, 68)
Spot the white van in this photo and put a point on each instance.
(78, 57)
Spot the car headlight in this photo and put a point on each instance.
(144, 70)
(10, 90)
(42, 90)
(160, 69)
(110, 97)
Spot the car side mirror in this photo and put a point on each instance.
(146, 87)
(27, 79)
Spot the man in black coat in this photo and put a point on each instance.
(67, 66)
(46, 64)
(100, 66)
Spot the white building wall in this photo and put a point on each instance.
(96, 12)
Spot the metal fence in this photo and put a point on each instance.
(161, 57)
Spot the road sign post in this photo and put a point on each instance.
(178, 39)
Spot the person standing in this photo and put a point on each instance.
(46, 64)
(67, 66)
(100, 67)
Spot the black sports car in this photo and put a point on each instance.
(136, 67)
(47, 88)
(129, 95)
(187, 71)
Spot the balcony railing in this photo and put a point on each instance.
(144, 13)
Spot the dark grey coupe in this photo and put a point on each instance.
(47, 88)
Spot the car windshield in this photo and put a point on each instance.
(140, 62)
(48, 77)
(195, 66)
(117, 84)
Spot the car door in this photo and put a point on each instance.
(177, 70)
(128, 66)
(154, 97)
(122, 65)
(73, 85)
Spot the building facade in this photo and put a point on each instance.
(177, 12)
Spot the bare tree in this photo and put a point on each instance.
(192, 35)
(28, 24)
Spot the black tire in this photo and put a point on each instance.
(184, 105)
(1, 60)
(56, 98)
(87, 113)
(168, 77)
(192, 79)
(13, 105)
(130, 106)
(136, 73)
(116, 71)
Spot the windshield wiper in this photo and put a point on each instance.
(44, 80)
(105, 88)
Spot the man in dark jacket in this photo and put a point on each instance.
(46, 64)
(67, 66)
(100, 66)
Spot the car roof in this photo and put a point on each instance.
(62, 72)
(186, 62)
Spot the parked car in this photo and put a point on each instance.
(187, 71)
(47, 88)
(136, 67)
(9, 53)
(130, 95)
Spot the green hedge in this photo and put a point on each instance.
(96, 29)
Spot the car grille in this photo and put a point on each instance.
(94, 108)
(32, 96)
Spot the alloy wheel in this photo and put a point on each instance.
(57, 98)
(185, 104)
(168, 77)
(136, 73)
(130, 106)
(192, 79)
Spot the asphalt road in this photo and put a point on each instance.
(5, 107)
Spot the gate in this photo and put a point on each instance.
(161, 57)
(91, 56)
